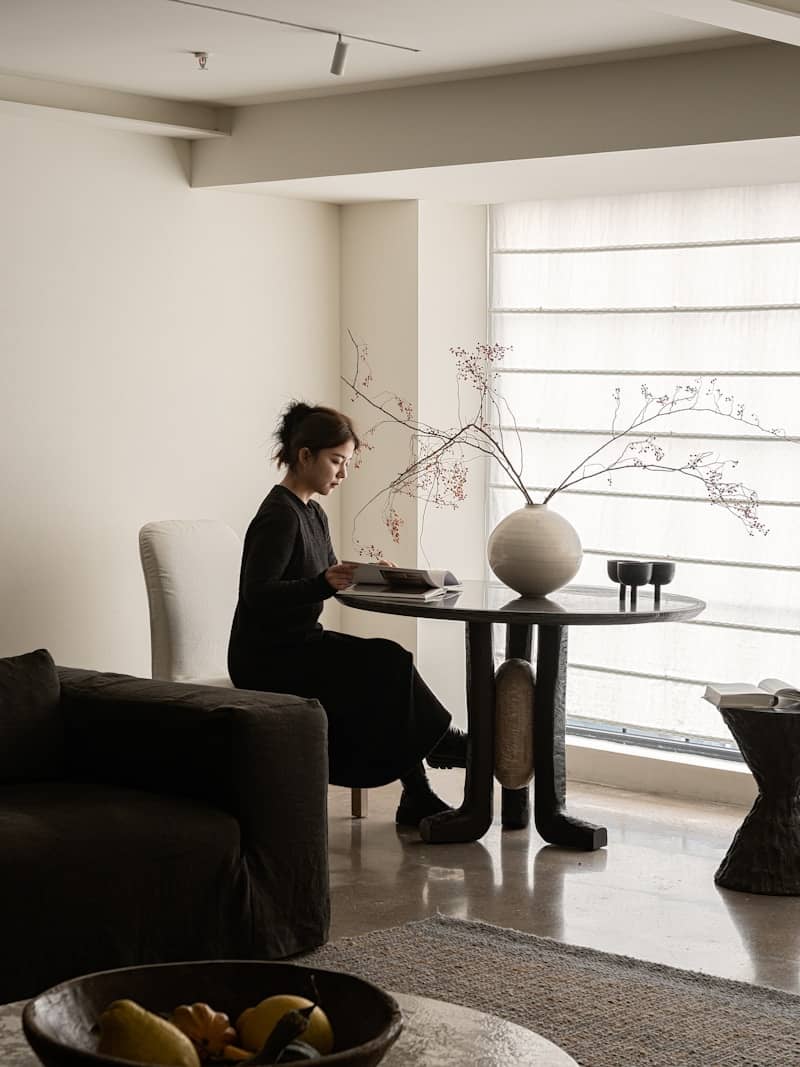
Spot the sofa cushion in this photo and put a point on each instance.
(31, 729)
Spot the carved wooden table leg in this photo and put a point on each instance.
(549, 782)
(474, 817)
(764, 856)
(515, 803)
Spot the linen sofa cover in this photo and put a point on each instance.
(187, 822)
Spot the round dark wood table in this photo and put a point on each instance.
(479, 605)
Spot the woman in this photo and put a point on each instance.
(382, 718)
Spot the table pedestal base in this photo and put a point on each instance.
(516, 808)
(474, 817)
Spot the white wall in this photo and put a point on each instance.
(148, 335)
(379, 305)
(414, 284)
(452, 312)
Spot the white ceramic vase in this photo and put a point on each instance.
(534, 550)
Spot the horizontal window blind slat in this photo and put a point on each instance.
(620, 672)
(612, 553)
(640, 496)
(546, 459)
(681, 653)
(791, 632)
(655, 309)
(642, 704)
(561, 403)
(583, 249)
(741, 212)
(751, 438)
(750, 598)
(609, 553)
(640, 342)
(618, 372)
(707, 276)
(639, 702)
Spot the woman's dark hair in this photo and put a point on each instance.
(304, 426)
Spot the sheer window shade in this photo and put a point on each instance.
(659, 289)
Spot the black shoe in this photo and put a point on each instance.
(450, 750)
(414, 808)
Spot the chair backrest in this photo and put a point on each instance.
(191, 569)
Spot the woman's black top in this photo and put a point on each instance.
(287, 549)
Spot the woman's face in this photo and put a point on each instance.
(322, 471)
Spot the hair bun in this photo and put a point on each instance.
(292, 417)
(311, 427)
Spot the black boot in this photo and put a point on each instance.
(418, 800)
(449, 751)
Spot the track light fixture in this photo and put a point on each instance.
(339, 56)
(339, 52)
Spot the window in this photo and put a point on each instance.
(659, 289)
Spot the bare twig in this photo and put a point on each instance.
(436, 472)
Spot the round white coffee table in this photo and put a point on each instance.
(436, 1032)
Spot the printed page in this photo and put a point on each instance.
(368, 574)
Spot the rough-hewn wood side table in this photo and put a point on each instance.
(479, 605)
(764, 856)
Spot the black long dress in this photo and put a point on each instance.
(382, 718)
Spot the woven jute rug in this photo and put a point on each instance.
(605, 1010)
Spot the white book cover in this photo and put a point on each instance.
(739, 695)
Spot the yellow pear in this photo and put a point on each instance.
(256, 1024)
(129, 1031)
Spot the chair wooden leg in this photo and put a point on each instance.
(358, 803)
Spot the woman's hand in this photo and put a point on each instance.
(386, 563)
(340, 575)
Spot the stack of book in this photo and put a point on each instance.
(769, 693)
(401, 583)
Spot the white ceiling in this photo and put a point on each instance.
(145, 46)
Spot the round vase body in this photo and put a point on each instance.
(534, 550)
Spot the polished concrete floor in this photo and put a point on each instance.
(649, 894)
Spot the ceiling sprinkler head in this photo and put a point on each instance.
(202, 59)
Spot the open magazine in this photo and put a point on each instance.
(769, 693)
(401, 583)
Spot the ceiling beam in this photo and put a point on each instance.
(35, 97)
(746, 93)
(778, 20)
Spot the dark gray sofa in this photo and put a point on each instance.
(145, 821)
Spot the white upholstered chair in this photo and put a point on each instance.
(191, 570)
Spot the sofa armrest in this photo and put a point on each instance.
(263, 757)
(251, 753)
